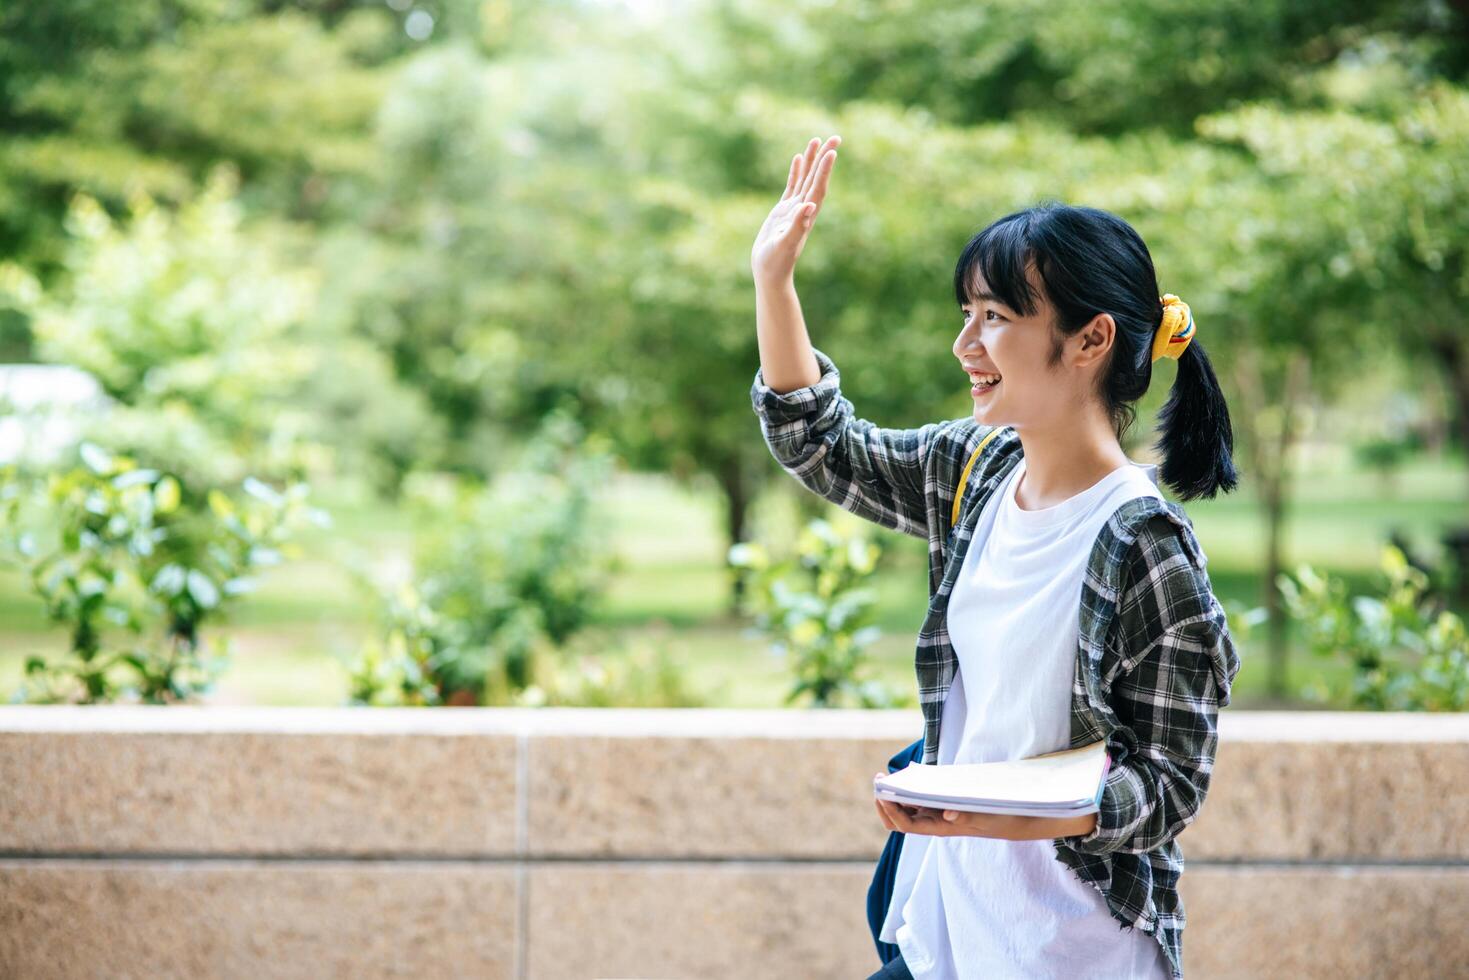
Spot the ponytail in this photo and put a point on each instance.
(1196, 441)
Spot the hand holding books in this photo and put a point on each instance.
(1045, 796)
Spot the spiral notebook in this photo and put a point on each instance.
(1067, 783)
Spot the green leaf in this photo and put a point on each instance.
(98, 460)
(169, 581)
(166, 495)
(202, 588)
(238, 586)
(748, 555)
(262, 491)
(222, 506)
(264, 556)
(132, 478)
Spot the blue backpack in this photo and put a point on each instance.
(880, 892)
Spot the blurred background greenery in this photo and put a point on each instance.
(472, 278)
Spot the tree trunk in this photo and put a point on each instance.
(1452, 351)
(1276, 644)
(1269, 449)
(736, 485)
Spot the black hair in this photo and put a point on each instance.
(1090, 261)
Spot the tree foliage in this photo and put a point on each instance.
(455, 219)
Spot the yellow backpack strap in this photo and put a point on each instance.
(964, 477)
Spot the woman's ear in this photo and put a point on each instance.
(1092, 342)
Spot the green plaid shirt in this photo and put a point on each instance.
(1155, 659)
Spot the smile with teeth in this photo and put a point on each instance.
(983, 382)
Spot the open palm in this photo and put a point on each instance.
(784, 233)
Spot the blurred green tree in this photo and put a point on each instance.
(119, 99)
(203, 332)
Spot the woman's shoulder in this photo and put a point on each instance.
(1148, 560)
(977, 448)
(1150, 530)
(975, 455)
(1148, 590)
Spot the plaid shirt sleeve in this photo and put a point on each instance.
(1172, 673)
(816, 436)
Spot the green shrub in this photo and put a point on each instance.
(400, 668)
(823, 621)
(207, 334)
(643, 677)
(1385, 455)
(1406, 653)
(134, 562)
(507, 572)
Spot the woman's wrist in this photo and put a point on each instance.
(1080, 826)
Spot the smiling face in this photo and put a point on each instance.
(1025, 351)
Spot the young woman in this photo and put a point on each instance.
(1069, 599)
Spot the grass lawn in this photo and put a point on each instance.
(293, 636)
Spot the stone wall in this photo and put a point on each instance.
(570, 843)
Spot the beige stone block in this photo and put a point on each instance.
(688, 919)
(1335, 923)
(706, 920)
(1335, 801)
(239, 919)
(713, 920)
(602, 796)
(252, 792)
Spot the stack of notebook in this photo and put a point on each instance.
(1058, 784)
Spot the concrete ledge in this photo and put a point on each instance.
(229, 792)
(712, 796)
(656, 843)
(206, 919)
(595, 783)
(1400, 800)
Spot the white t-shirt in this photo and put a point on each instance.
(976, 906)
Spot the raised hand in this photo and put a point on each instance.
(783, 235)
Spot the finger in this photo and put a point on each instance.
(792, 177)
(800, 221)
(930, 821)
(882, 815)
(959, 821)
(817, 193)
(903, 819)
(808, 173)
(814, 164)
(892, 813)
(808, 157)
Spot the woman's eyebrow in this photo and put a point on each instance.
(985, 296)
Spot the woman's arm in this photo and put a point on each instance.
(811, 429)
(1178, 663)
(1170, 704)
(786, 358)
(876, 473)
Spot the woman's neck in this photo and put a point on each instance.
(1063, 460)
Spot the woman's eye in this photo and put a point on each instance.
(997, 316)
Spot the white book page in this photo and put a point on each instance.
(1057, 777)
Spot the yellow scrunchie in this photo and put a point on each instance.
(1176, 330)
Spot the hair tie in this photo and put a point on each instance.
(1176, 330)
